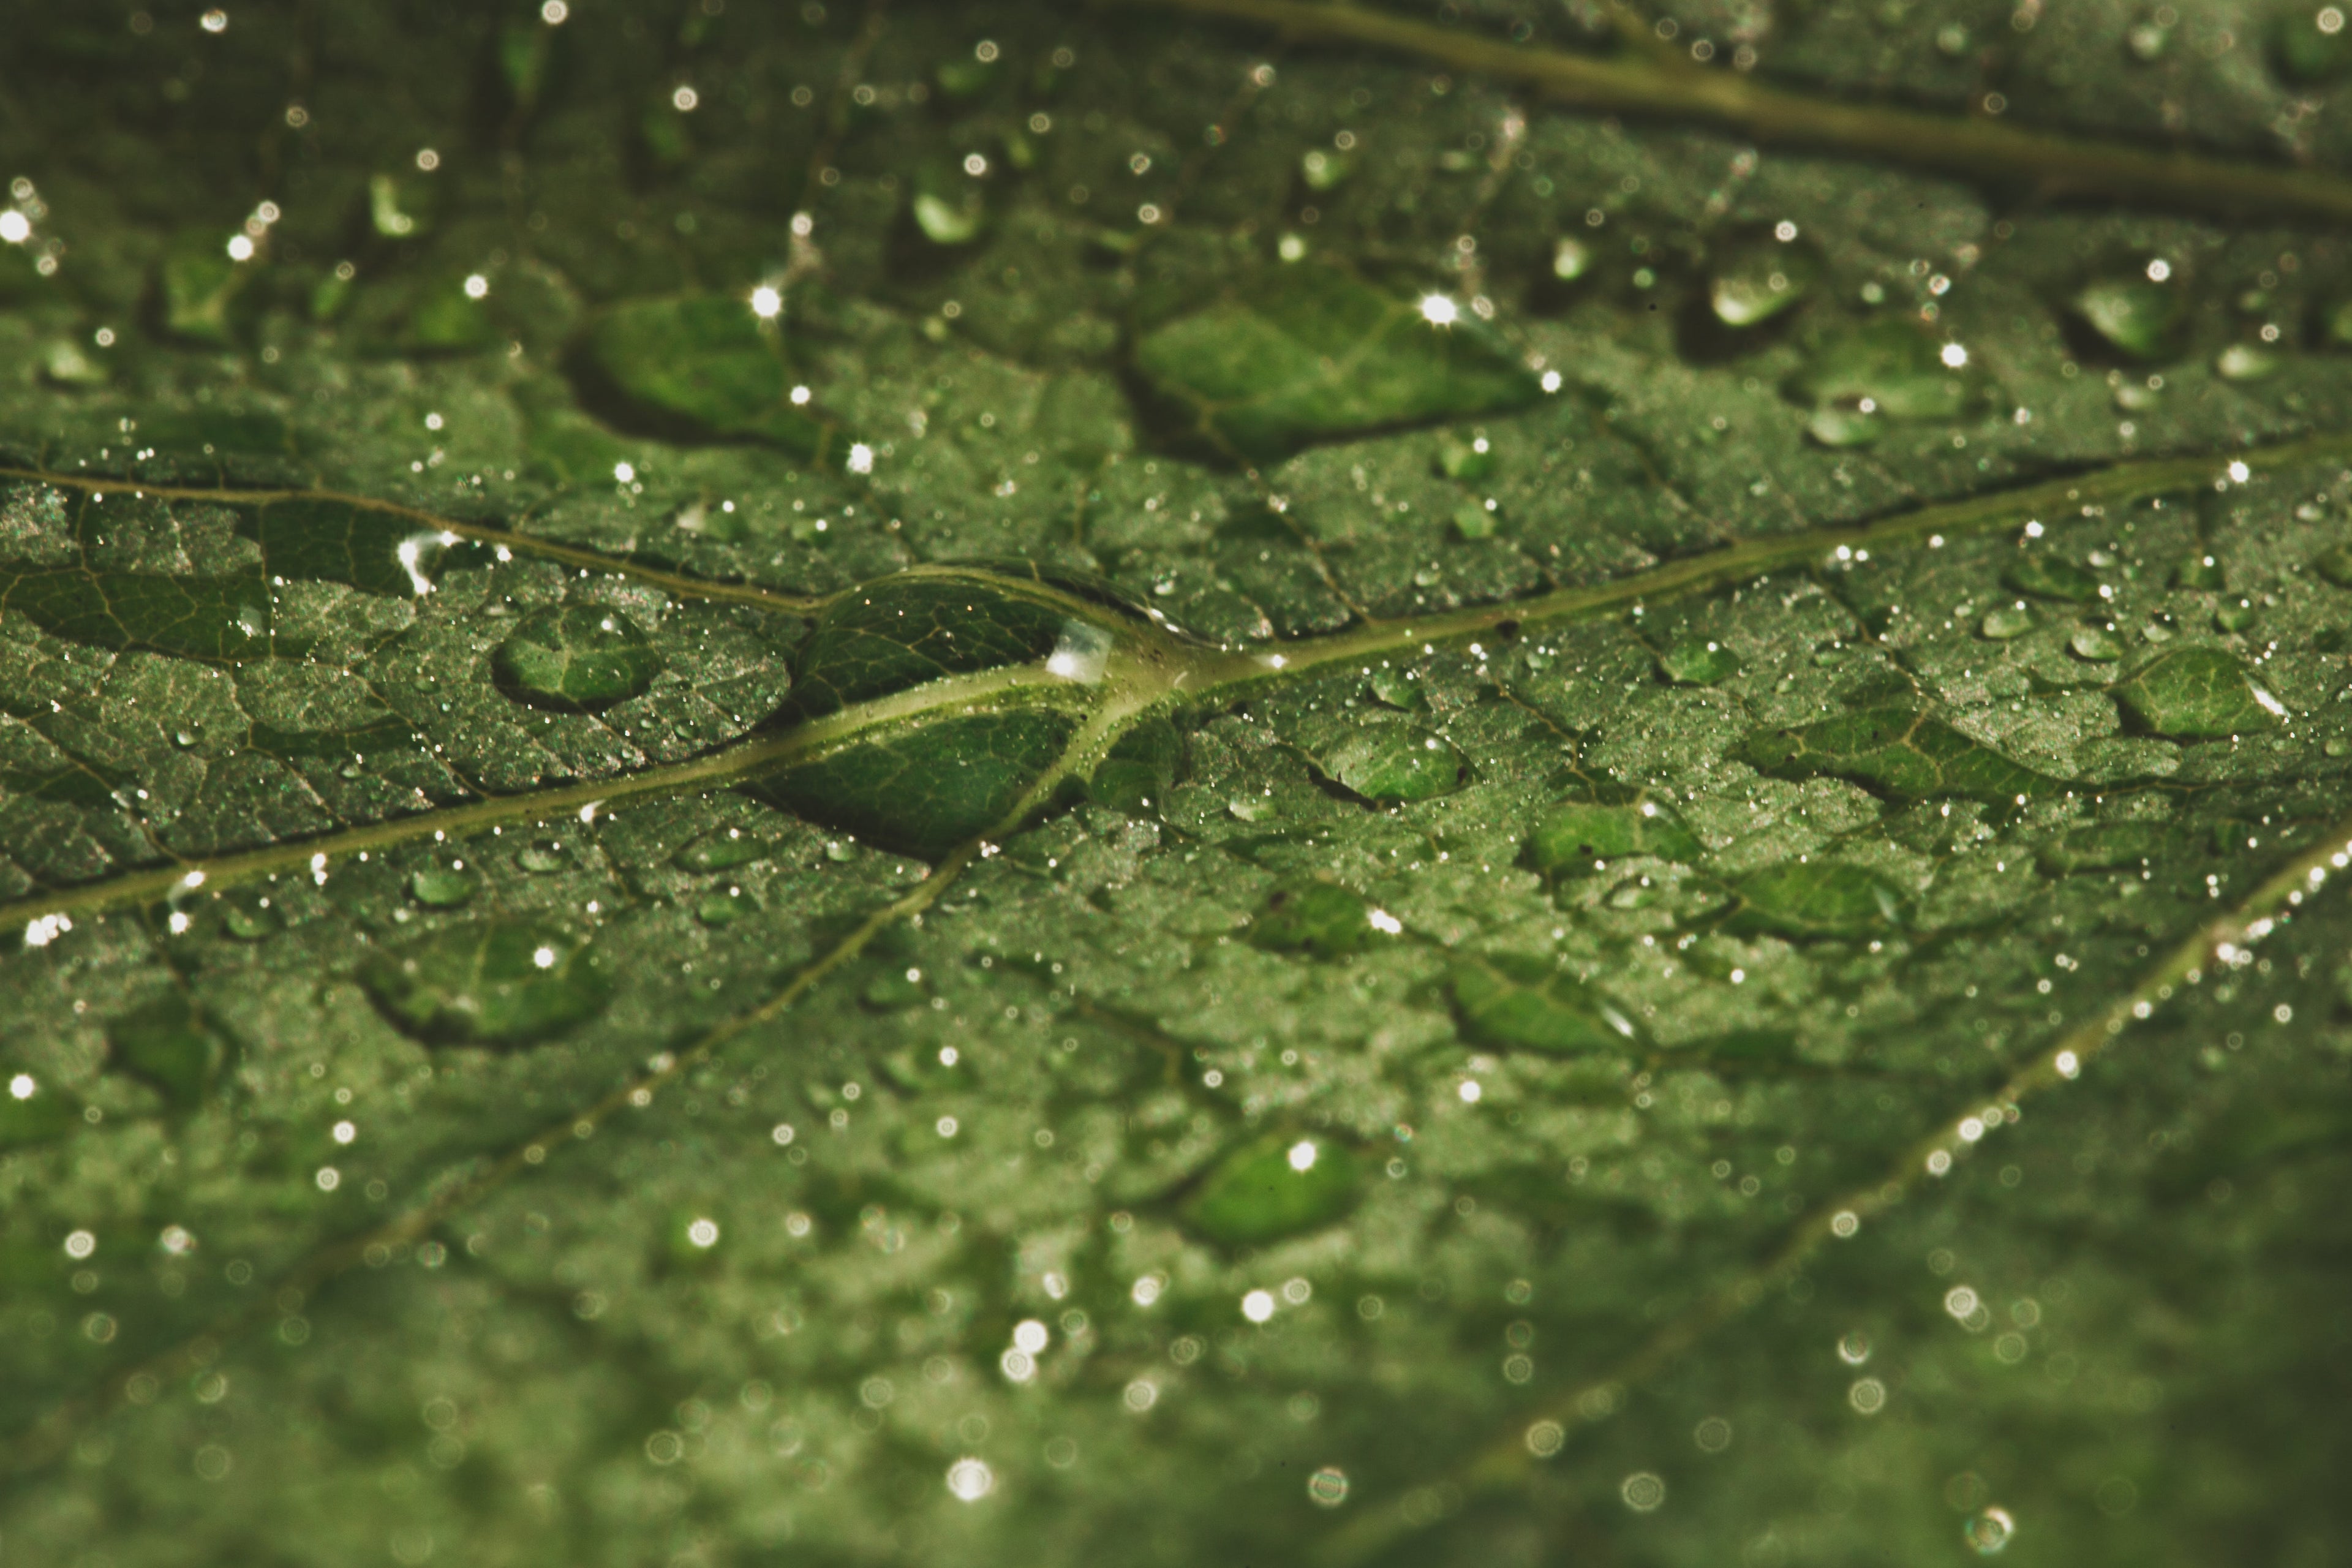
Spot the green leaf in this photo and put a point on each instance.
(1308, 353)
(1857, 904)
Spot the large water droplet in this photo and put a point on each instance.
(2142, 314)
(488, 982)
(2197, 693)
(1393, 761)
(1759, 276)
(576, 656)
(1321, 918)
(1879, 370)
(1277, 1186)
(2311, 43)
(1512, 1000)
(1571, 837)
(1809, 898)
(168, 1045)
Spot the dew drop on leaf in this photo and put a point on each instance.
(1515, 1001)
(579, 655)
(1279, 1185)
(1570, 837)
(2197, 693)
(1818, 898)
(488, 982)
(2141, 314)
(1758, 277)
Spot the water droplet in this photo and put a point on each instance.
(1260, 1192)
(1697, 661)
(2336, 565)
(2200, 570)
(1759, 276)
(718, 911)
(1571, 837)
(1834, 898)
(1327, 1487)
(168, 1045)
(441, 889)
(1882, 369)
(2311, 43)
(541, 856)
(2045, 576)
(2097, 644)
(1320, 917)
(1468, 460)
(2007, 621)
(1990, 1531)
(2197, 693)
(2249, 362)
(722, 850)
(581, 655)
(1571, 259)
(1642, 1492)
(1323, 171)
(488, 982)
(1393, 761)
(1513, 1000)
(2142, 313)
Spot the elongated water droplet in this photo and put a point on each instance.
(488, 982)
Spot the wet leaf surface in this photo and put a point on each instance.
(1048, 786)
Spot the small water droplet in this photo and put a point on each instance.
(1989, 1530)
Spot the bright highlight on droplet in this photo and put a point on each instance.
(971, 1480)
(2158, 270)
(703, 1233)
(1029, 1336)
(344, 1132)
(23, 1086)
(1302, 1155)
(623, 473)
(543, 957)
(1438, 310)
(240, 247)
(2240, 473)
(1146, 1289)
(800, 395)
(1258, 1306)
(476, 286)
(15, 228)
(861, 459)
(767, 304)
(80, 1245)
(1955, 356)
(215, 20)
(554, 13)
(1470, 1091)
(685, 99)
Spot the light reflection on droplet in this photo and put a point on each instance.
(1990, 1531)
(1438, 310)
(1030, 1335)
(1258, 1306)
(1327, 1487)
(971, 1479)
